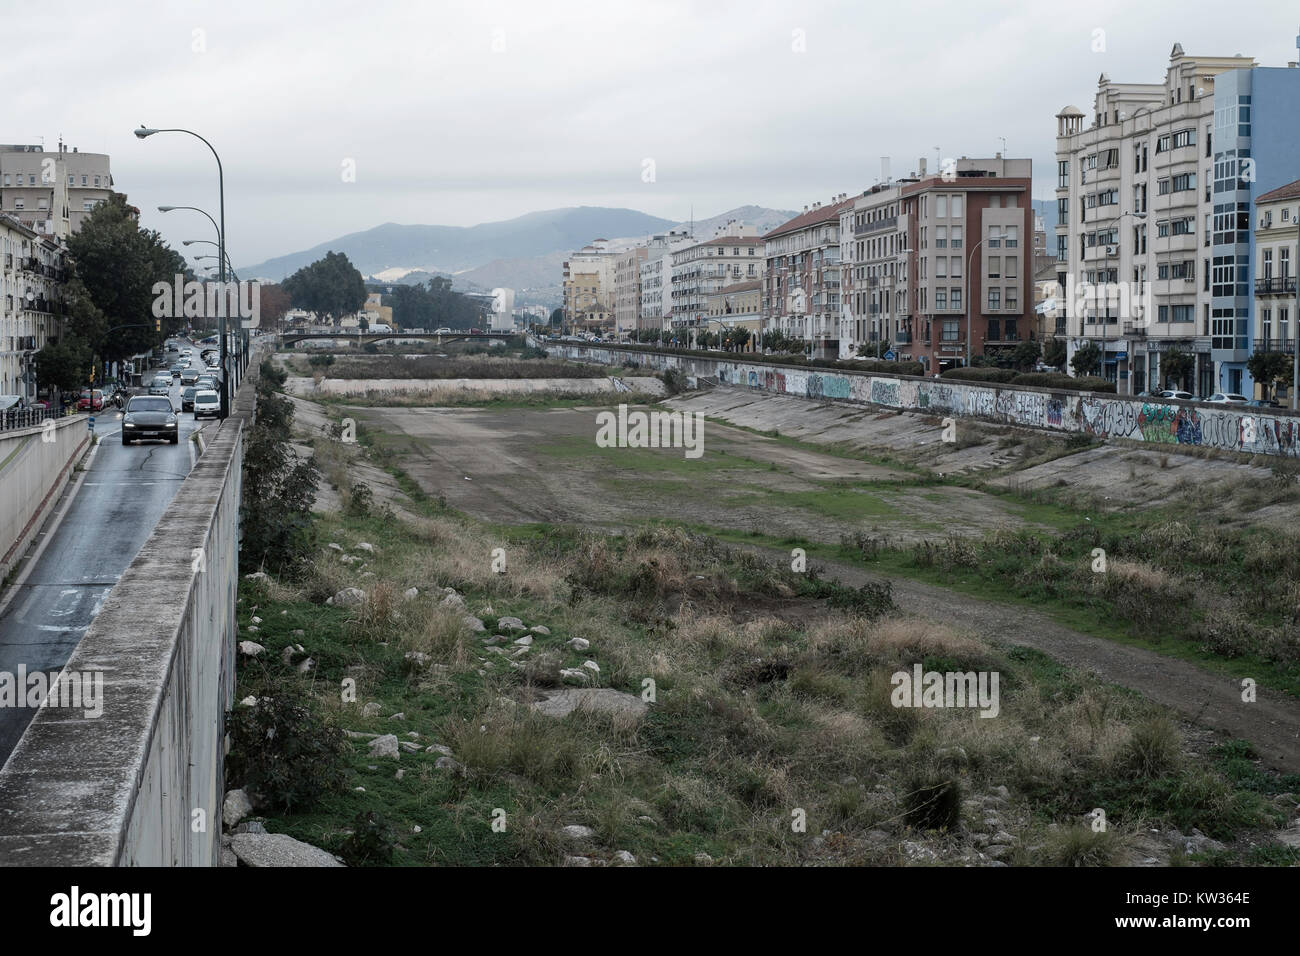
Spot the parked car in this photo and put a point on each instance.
(187, 398)
(1263, 403)
(1227, 398)
(148, 416)
(206, 403)
(1178, 394)
(442, 331)
(91, 400)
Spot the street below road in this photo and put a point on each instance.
(97, 529)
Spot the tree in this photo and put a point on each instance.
(64, 364)
(1270, 369)
(118, 263)
(1176, 365)
(273, 303)
(1025, 355)
(1054, 352)
(1087, 360)
(557, 316)
(330, 287)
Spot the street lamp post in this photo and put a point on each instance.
(144, 132)
(1140, 217)
(969, 327)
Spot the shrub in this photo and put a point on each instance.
(282, 750)
(980, 374)
(278, 494)
(371, 840)
(932, 803)
(1080, 845)
(1062, 381)
(1153, 750)
(360, 497)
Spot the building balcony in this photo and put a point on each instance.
(1274, 345)
(1275, 286)
(1135, 329)
(877, 226)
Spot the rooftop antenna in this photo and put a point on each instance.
(1004, 145)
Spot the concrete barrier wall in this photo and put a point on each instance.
(35, 464)
(1161, 422)
(141, 784)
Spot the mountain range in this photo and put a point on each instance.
(526, 253)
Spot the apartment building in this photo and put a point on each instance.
(802, 286)
(627, 289)
(588, 281)
(656, 279)
(700, 268)
(737, 306)
(1276, 225)
(1135, 203)
(51, 193)
(874, 272)
(32, 272)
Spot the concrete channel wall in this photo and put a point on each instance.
(35, 464)
(1155, 421)
(142, 783)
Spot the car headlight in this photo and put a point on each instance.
(171, 419)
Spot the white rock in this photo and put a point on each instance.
(449, 763)
(366, 546)
(385, 746)
(454, 601)
(334, 546)
(411, 594)
(371, 709)
(473, 623)
(578, 643)
(250, 648)
(591, 666)
(253, 628)
(255, 619)
(565, 700)
(400, 715)
(439, 749)
(524, 641)
(510, 624)
(235, 807)
(541, 629)
(624, 858)
(278, 849)
(249, 701)
(256, 576)
(575, 831)
(348, 597)
(575, 675)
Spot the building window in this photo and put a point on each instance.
(956, 237)
(1012, 236)
(941, 237)
(941, 207)
(995, 299)
(954, 295)
(995, 267)
(948, 331)
(1062, 174)
(940, 299)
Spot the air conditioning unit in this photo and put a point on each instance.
(1112, 250)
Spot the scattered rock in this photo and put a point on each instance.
(335, 546)
(410, 594)
(918, 852)
(400, 715)
(496, 639)
(578, 643)
(359, 735)
(574, 675)
(371, 709)
(235, 807)
(562, 702)
(385, 746)
(997, 851)
(307, 666)
(418, 658)
(256, 576)
(249, 701)
(449, 763)
(579, 861)
(703, 859)
(399, 775)
(251, 826)
(453, 600)
(624, 858)
(297, 632)
(409, 746)
(250, 648)
(511, 624)
(525, 641)
(228, 857)
(366, 546)
(575, 831)
(591, 666)
(474, 624)
(348, 597)
(1002, 793)
(255, 619)
(438, 749)
(541, 629)
(253, 629)
(278, 849)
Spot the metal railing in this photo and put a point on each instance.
(14, 418)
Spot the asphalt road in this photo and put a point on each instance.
(121, 496)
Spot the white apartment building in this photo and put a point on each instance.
(656, 279)
(627, 289)
(1277, 224)
(589, 285)
(32, 272)
(874, 267)
(51, 193)
(735, 254)
(1134, 206)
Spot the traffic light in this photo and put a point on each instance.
(157, 325)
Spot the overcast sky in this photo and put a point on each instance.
(466, 112)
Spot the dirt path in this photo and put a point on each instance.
(1271, 723)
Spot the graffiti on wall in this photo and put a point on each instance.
(1100, 415)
